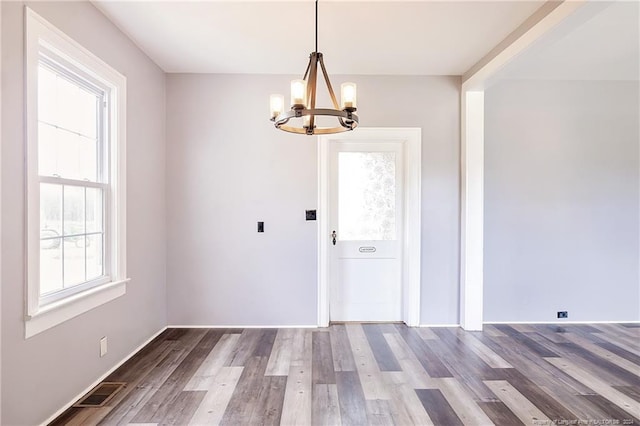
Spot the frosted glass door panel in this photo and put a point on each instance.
(366, 196)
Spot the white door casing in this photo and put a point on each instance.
(411, 140)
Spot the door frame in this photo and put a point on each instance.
(411, 139)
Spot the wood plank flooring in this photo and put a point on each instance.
(379, 374)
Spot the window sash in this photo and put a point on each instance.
(107, 275)
(66, 70)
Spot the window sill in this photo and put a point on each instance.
(56, 313)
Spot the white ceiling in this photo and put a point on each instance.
(601, 41)
(356, 37)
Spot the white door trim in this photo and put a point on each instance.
(412, 141)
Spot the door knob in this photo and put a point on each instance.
(333, 236)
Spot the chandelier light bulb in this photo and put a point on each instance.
(276, 103)
(298, 93)
(348, 95)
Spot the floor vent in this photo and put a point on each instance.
(100, 395)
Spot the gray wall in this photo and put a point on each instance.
(43, 373)
(227, 168)
(561, 201)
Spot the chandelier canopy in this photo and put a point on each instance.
(303, 102)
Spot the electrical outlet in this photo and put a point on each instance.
(103, 346)
(563, 314)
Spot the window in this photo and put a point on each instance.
(75, 178)
(72, 182)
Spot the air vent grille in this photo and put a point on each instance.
(100, 395)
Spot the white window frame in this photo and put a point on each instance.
(42, 36)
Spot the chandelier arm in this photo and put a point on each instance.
(307, 77)
(329, 87)
(306, 72)
(313, 78)
(281, 122)
(313, 64)
(349, 124)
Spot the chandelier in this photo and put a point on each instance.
(303, 110)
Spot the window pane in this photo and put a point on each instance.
(50, 210)
(47, 150)
(65, 104)
(74, 210)
(74, 261)
(367, 196)
(66, 154)
(77, 108)
(86, 114)
(47, 98)
(94, 210)
(94, 256)
(68, 127)
(50, 265)
(87, 158)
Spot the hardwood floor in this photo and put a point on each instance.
(379, 374)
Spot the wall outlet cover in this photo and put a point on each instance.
(310, 215)
(563, 314)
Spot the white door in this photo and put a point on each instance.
(365, 211)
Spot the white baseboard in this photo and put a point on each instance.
(243, 326)
(561, 322)
(438, 325)
(104, 376)
(419, 326)
(532, 323)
